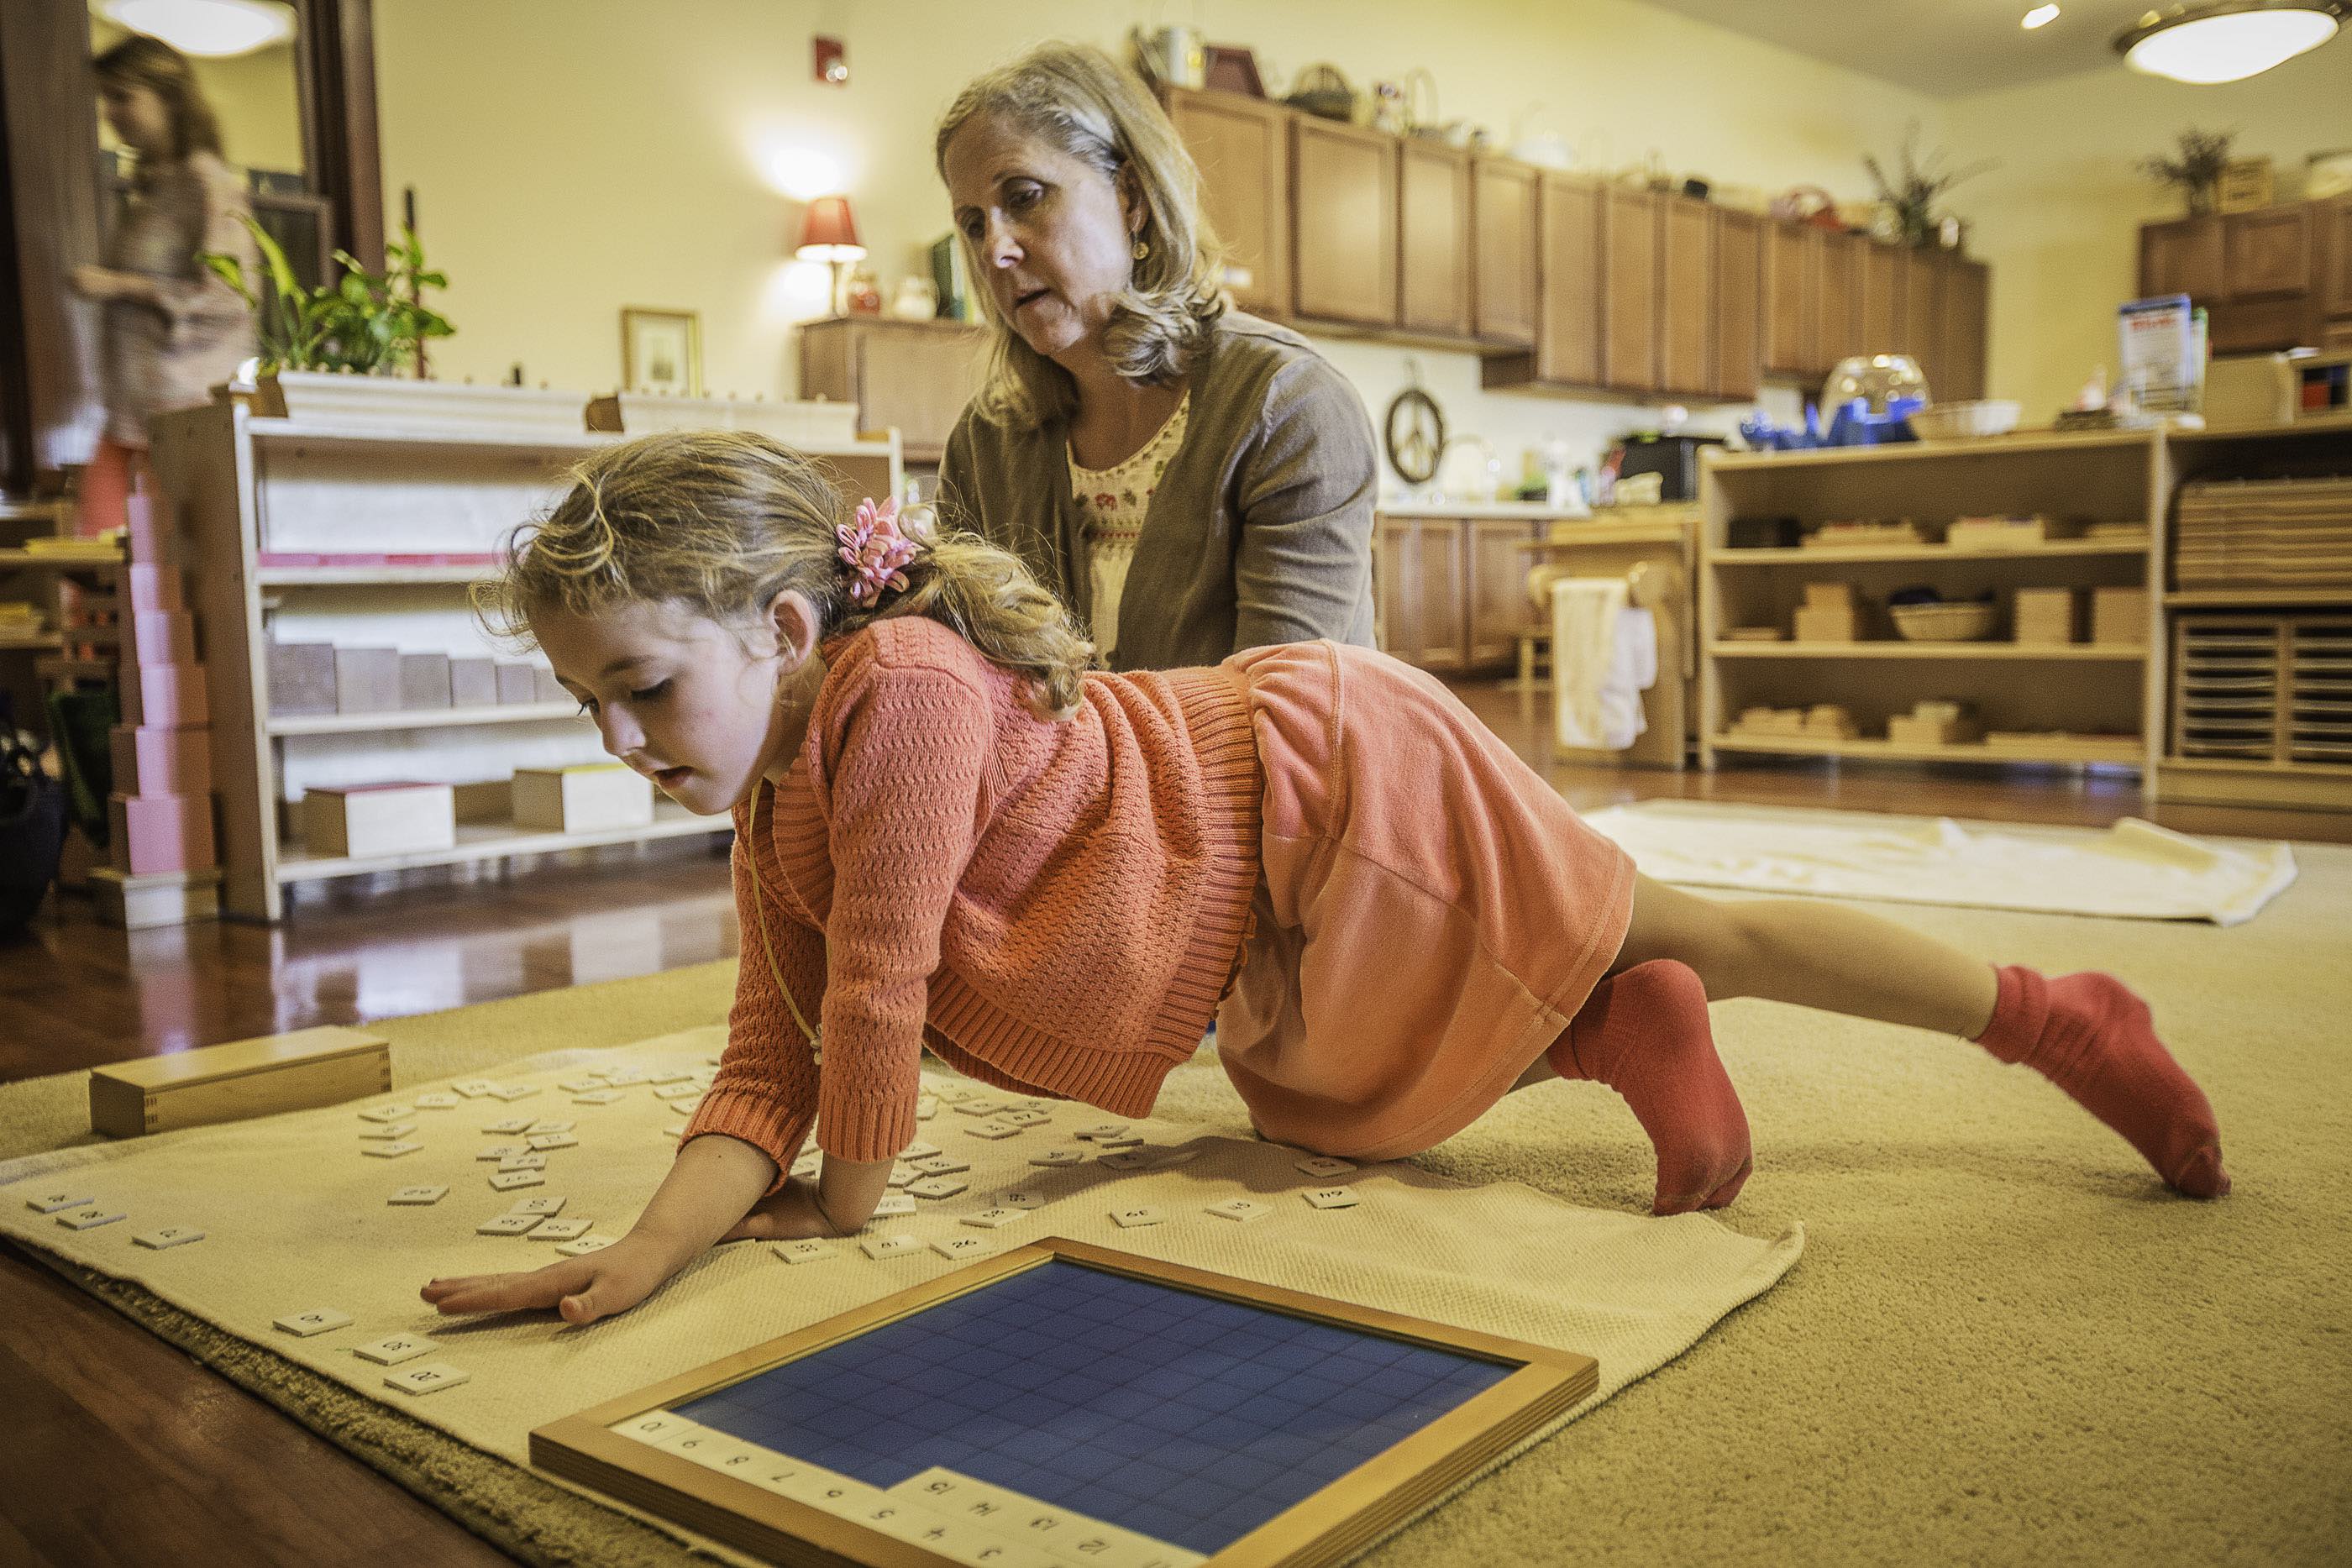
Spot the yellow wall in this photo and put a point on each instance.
(572, 158)
(2058, 221)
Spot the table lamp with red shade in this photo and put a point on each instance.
(828, 233)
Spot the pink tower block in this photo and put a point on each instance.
(152, 760)
(170, 697)
(153, 587)
(145, 534)
(163, 636)
(156, 833)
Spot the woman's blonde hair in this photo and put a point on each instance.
(142, 61)
(1079, 100)
(724, 521)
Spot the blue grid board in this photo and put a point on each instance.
(1184, 1417)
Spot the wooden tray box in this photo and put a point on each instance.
(2048, 614)
(362, 819)
(2119, 616)
(587, 798)
(295, 1071)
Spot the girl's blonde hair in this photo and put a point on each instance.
(1079, 100)
(724, 521)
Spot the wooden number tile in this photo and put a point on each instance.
(1325, 1166)
(439, 1100)
(655, 1427)
(1059, 1157)
(393, 1351)
(890, 1246)
(978, 1107)
(88, 1219)
(391, 1151)
(539, 1127)
(169, 1236)
(418, 1196)
(806, 1251)
(50, 1202)
(943, 1165)
(507, 1181)
(386, 1113)
(512, 1124)
(431, 1378)
(936, 1186)
(585, 1244)
(1101, 1130)
(597, 1097)
(388, 1132)
(1019, 1198)
(1237, 1208)
(1332, 1197)
(501, 1151)
(513, 1092)
(533, 1161)
(545, 1141)
(571, 1229)
(509, 1225)
(990, 1218)
(919, 1152)
(318, 1320)
(1027, 1118)
(993, 1128)
(894, 1204)
(679, 1076)
(546, 1205)
(1141, 1214)
(963, 1247)
(476, 1088)
(580, 1085)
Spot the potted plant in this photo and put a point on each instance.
(336, 352)
(1911, 200)
(2197, 169)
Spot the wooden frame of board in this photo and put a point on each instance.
(1330, 1526)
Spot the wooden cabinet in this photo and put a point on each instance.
(1507, 249)
(2333, 238)
(1452, 591)
(1738, 272)
(1497, 609)
(2181, 258)
(1879, 319)
(1567, 341)
(1344, 222)
(2266, 255)
(1788, 300)
(1433, 239)
(1923, 314)
(1688, 301)
(1419, 573)
(1629, 290)
(911, 376)
(1242, 146)
(1960, 375)
(1837, 316)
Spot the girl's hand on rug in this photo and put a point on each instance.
(791, 1214)
(582, 1289)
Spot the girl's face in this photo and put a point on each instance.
(137, 118)
(1053, 234)
(702, 711)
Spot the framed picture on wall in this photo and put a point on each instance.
(661, 352)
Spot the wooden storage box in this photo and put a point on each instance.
(2119, 616)
(2048, 615)
(423, 680)
(473, 682)
(587, 798)
(295, 1071)
(362, 819)
(367, 680)
(301, 678)
(1826, 624)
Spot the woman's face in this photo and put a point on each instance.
(1053, 234)
(137, 118)
(702, 712)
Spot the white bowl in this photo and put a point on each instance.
(1965, 421)
(1958, 622)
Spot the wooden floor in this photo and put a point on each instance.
(120, 1450)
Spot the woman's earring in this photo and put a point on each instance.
(1142, 247)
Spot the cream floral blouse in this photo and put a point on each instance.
(1112, 503)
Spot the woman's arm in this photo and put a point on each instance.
(1303, 568)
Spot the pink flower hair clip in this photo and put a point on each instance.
(874, 549)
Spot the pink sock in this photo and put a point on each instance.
(2093, 1038)
(1645, 1033)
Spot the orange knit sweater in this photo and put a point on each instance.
(1054, 907)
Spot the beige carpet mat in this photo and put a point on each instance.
(2131, 869)
(298, 1225)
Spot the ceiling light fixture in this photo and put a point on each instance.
(212, 29)
(2227, 41)
(2039, 17)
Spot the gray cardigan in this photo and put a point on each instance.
(1261, 529)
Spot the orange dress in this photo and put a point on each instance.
(1431, 916)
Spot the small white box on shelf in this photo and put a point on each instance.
(367, 680)
(389, 818)
(423, 680)
(473, 682)
(587, 798)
